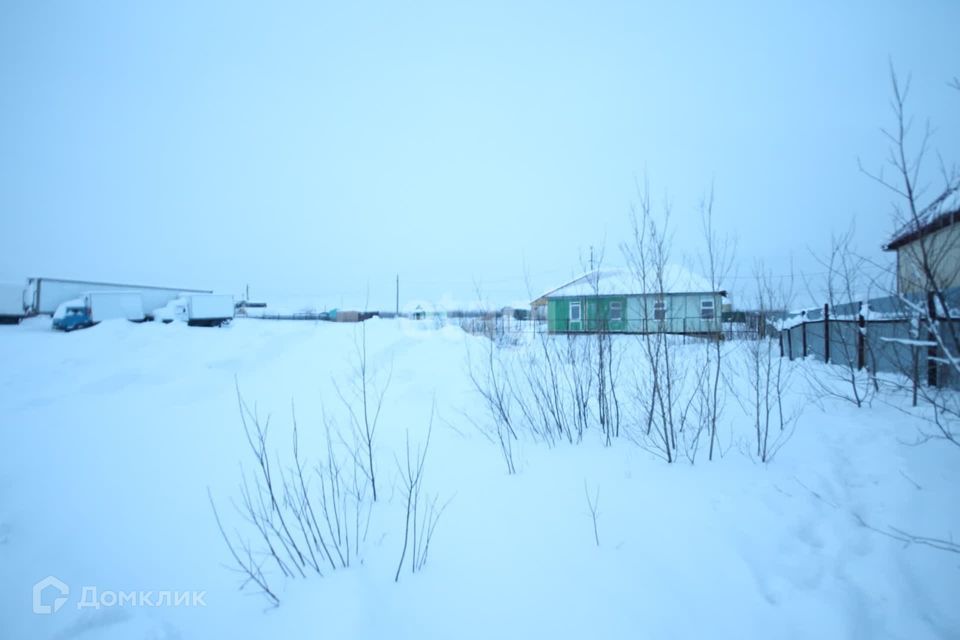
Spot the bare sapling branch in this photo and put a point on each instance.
(491, 380)
(716, 263)
(593, 505)
(769, 374)
(648, 254)
(422, 511)
(364, 402)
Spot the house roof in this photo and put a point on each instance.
(621, 281)
(914, 231)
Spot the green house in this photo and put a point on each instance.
(616, 301)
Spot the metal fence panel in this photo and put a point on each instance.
(890, 345)
(796, 341)
(843, 342)
(815, 340)
(885, 354)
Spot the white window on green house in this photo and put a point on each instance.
(706, 309)
(616, 311)
(574, 312)
(660, 310)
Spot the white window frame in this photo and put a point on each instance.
(705, 304)
(619, 307)
(579, 308)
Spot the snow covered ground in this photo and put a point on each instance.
(112, 437)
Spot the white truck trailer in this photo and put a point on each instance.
(209, 310)
(44, 295)
(115, 305)
(11, 303)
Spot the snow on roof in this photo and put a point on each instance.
(929, 221)
(613, 281)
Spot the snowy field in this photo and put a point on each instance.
(113, 436)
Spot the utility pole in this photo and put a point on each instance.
(397, 312)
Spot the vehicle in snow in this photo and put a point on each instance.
(98, 306)
(176, 309)
(198, 310)
(209, 310)
(72, 314)
(44, 295)
(11, 303)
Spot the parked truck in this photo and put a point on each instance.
(44, 295)
(97, 306)
(176, 309)
(209, 310)
(11, 303)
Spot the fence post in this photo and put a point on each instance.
(861, 339)
(931, 337)
(916, 369)
(826, 333)
(790, 342)
(803, 332)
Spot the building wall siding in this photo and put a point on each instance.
(682, 314)
(943, 251)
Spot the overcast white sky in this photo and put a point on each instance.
(311, 148)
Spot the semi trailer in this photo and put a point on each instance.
(11, 303)
(44, 295)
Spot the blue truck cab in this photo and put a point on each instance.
(72, 314)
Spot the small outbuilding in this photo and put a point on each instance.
(617, 301)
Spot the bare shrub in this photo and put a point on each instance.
(770, 378)
(491, 379)
(843, 286)
(716, 263)
(363, 401)
(299, 519)
(662, 416)
(422, 512)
